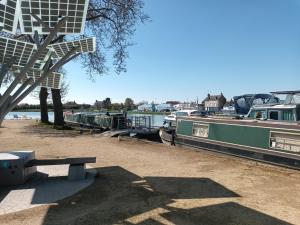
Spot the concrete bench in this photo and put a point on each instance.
(76, 168)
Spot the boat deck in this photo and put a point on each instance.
(245, 122)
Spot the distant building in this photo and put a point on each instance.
(165, 107)
(214, 103)
(147, 108)
(188, 105)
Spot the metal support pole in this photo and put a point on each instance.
(56, 66)
(32, 60)
(22, 88)
(5, 68)
(3, 72)
(36, 39)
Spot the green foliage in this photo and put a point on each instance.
(129, 104)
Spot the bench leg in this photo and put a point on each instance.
(76, 172)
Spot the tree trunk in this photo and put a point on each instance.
(2, 115)
(58, 108)
(4, 109)
(43, 105)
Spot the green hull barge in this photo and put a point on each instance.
(270, 132)
(276, 142)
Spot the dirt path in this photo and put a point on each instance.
(147, 183)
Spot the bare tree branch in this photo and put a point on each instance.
(113, 22)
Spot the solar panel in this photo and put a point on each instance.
(53, 80)
(61, 48)
(9, 15)
(22, 51)
(50, 12)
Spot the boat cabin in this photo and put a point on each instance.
(285, 110)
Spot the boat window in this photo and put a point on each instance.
(258, 114)
(288, 115)
(241, 102)
(194, 113)
(258, 101)
(197, 113)
(181, 114)
(274, 115)
(200, 130)
(296, 99)
(285, 141)
(298, 114)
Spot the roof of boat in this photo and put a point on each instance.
(248, 122)
(285, 92)
(279, 106)
(98, 113)
(189, 110)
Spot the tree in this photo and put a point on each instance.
(15, 93)
(113, 23)
(57, 96)
(98, 105)
(107, 103)
(42, 93)
(129, 104)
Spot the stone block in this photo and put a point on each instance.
(77, 172)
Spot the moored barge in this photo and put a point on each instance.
(105, 121)
(270, 132)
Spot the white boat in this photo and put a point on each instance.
(170, 120)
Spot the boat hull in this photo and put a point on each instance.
(167, 136)
(270, 142)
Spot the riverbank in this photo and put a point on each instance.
(95, 111)
(148, 183)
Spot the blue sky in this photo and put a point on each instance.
(194, 47)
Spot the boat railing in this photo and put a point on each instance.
(139, 122)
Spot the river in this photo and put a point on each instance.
(156, 120)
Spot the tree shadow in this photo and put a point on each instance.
(145, 222)
(48, 131)
(118, 195)
(189, 187)
(225, 213)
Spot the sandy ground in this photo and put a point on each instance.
(148, 183)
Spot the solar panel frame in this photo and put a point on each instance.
(87, 45)
(22, 51)
(53, 80)
(9, 15)
(50, 11)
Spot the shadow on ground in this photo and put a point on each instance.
(48, 131)
(47, 190)
(119, 195)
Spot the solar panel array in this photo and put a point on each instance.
(53, 80)
(9, 15)
(84, 46)
(22, 51)
(51, 11)
(20, 12)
